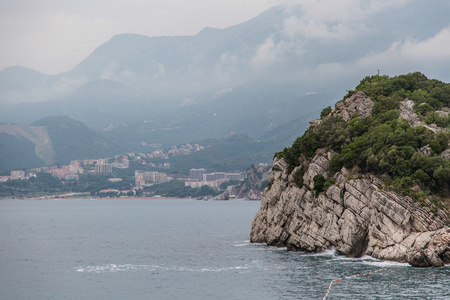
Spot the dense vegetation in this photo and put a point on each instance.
(177, 189)
(46, 184)
(384, 144)
(43, 183)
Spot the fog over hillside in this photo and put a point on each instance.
(288, 62)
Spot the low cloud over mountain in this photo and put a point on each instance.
(324, 47)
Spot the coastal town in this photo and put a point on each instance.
(143, 165)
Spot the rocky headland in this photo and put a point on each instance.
(357, 214)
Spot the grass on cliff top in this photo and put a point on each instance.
(383, 144)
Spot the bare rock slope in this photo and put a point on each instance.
(38, 135)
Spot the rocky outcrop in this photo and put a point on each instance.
(407, 112)
(358, 104)
(354, 215)
(223, 196)
(256, 179)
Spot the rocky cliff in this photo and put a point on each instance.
(357, 214)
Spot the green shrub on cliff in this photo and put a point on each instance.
(383, 143)
(321, 184)
(298, 176)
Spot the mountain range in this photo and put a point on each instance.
(258, 78)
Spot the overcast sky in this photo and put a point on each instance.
(52, 36)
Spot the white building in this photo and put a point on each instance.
(197, 173)
(17, 174)
(148, 178)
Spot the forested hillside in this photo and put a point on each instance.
(409, 152)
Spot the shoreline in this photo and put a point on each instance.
(80, 197)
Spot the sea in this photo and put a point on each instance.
(179, 249)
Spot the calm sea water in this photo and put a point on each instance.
(177, 249)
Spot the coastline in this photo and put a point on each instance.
(89, 197)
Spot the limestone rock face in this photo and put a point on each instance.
(357, 103)
(354, 215)
(407, 112)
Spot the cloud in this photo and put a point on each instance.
(437, 47)
(430, 56)
(320, 25)
(427, 55)
(227, 67)
(317, 21)
(271, 54)
(332, 11)
(266, 54)
(65, 85)
(312, 29)
(331, 20)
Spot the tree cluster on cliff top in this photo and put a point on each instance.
(385, 144)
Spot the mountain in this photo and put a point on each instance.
(72, 139)
(371, 177)
(281, 44)
(21, 79)
(17, 152)
(235, 152)
(253, 109)
(19, 84)
(250, 78)
(55, 139)
(96, 104)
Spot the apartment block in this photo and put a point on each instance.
(197, 174)
(148, 178)
(214, 176)
(103, 169)
(235, 176)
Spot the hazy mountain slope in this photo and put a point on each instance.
(171, 90)
(56, 139)
(17, 152)
(89, 104)
(280, 43)
(21, 79)
(284, 43)
(25, 146)
(253, 108)
(74, 140)
(19, 84)
(232, 153)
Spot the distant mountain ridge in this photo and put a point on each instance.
(275, 45)
(250, 78)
